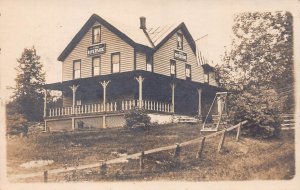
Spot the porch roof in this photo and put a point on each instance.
(124, 76)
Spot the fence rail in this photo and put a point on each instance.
(141, 155)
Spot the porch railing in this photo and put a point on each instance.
(147, 105)
(110, 107)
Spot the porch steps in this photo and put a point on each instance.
(187, 119)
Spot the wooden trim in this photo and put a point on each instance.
(173, 75)
(181, 36)
(190, 66)
(94, 67)
(74, 68)
(112, 62)
(94, 27)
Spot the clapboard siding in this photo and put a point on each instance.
(140, 61)
(166, 52)
(113, 44)
(212, 79)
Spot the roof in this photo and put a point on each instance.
(148, 40)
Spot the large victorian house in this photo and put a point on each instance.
(108, 69)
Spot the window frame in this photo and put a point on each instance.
(111, 61)
(78, 60)
(93, 30)
(188, 66)
(206, 73)
(93, 67)
(172, 61)
(149, 58)
(177, 42)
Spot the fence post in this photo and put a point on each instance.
(199, 154)
(103, 168)
(238, 132)
(45, 176)
(142, 161)
(221, 143)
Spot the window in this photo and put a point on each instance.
(96, 66)
(115, 62)
(179, 41)
(78, 102)
(149, 63)
(96, 34)
(188, 71)
(173, 68)
(206, 77)
(76, 69)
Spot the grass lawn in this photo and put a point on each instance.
(244, 160)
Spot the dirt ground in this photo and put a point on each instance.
(247, 159)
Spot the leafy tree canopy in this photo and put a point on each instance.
(258, 68)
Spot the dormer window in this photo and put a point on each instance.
(96, 34)
(179, 41)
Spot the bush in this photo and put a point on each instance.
(16, 123)
(259, 109)
(137, 118)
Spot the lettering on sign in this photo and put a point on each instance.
(180, 55)
(96, 49)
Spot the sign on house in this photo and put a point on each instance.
(180, 55)
(96, 49)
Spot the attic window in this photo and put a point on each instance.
(96, 34)
(179, 41)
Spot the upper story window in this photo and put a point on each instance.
(206, 77)
(96, 34)
(173, 68)
(188, 71)
(76, 69)
(115, 62)
(149, 63)
(96, 66)
(179, 41)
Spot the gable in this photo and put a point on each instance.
(87, 26)
(185, 33)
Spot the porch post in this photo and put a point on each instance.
(199, 100)
(74, 89)
(173, 85)
(140, 80)
(45, 103)
(104, 85)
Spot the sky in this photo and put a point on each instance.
(50, 25)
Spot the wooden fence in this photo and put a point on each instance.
(141, 155)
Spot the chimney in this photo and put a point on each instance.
(143, 22)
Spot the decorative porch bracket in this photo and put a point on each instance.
(173, 86)
(140, 80)
(74, 89)
(104, 85)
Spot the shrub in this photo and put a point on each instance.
(259, 109)
(137, 118)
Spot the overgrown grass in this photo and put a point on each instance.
(244, 160)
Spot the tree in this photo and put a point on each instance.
(259, 69)
(28, 92)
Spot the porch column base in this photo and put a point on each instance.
(104, 121)
(73, 123)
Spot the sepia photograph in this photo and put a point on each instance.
(132, 94)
